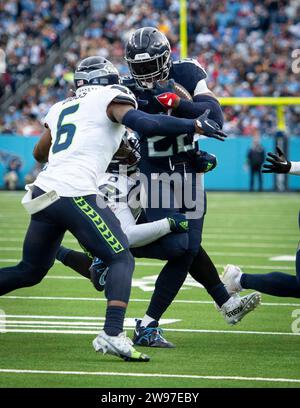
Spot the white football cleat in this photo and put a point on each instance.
(120, 346)
(231, 278)
(236, 308)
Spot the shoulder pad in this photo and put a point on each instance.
(192, 61)
(125, 95)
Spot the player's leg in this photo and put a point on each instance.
(41, 243)
(80, 262)
(167, 247)
(169, 281)
(99, 231)
(274, 283)
(203, 270)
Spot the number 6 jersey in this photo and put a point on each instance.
(84, 140)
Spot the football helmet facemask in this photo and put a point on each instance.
(148, 54)
(127, 156)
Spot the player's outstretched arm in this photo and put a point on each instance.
(278, 163)
(161, 125)
(41, 149)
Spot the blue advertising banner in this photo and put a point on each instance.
(232, 172)
(19, 147)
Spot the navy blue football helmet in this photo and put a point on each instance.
(148, 54)
(95, 71)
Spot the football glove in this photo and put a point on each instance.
(178, 223)
(279, 163)
(204, 162)
(168, 100)
(209, 127)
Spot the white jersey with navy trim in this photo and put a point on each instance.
(84, 140)
(122, 195)
(120, 191)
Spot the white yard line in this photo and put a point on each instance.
(69, 331)
(151, 375)
(157, 264)
(98, 299)
(228, 254)
(292, 246)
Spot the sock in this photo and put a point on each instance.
(62, 253)
(146, 320)
(76, 260)
(204, 271)
(114, 320)
(167, 285)
(219, 294)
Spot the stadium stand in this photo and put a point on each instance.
(245, 47)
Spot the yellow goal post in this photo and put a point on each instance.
(279, 102)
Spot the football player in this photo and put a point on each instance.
(81, 135)
(121, 191)
(153, 74)
(274, 283)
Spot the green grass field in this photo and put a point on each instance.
(50, 327)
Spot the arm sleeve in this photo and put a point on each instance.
(192, 110)
(157, 125)
(141, 234)
(295, 168)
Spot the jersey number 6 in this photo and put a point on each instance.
(68, 130)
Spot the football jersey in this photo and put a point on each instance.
(84, 140)
(120, 192)
(189, 74)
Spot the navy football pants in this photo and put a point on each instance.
(276, 283)
(179, 249)
(97, 229)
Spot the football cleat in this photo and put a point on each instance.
(150, 336)
(98, 271)
(120, 346)
(178, 223)
(231, 278)
(236, 308)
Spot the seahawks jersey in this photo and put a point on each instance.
(187, 73)
(120, 191)
(84, 140)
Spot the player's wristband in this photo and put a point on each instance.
(295, 168)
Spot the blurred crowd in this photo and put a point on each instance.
(245, 47)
